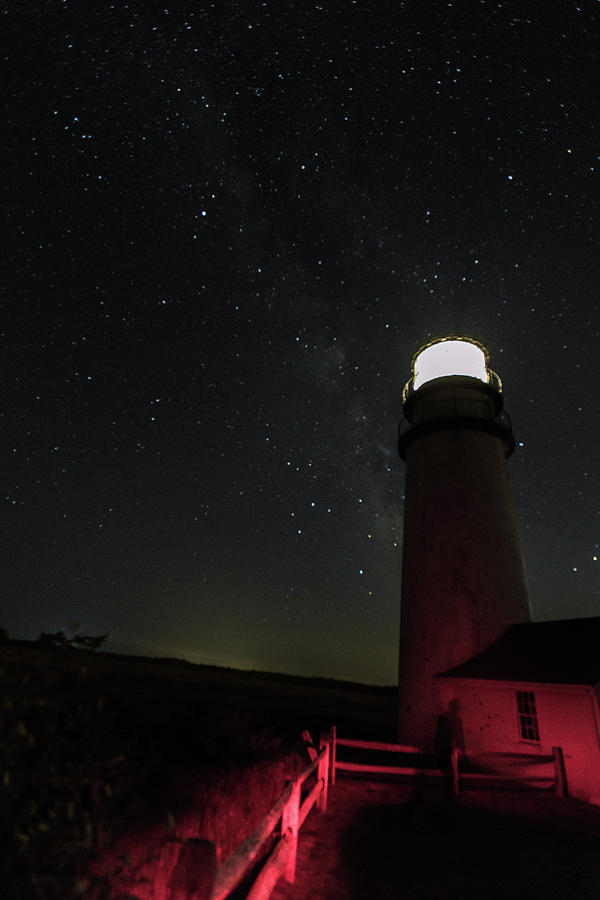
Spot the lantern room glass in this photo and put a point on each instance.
(449, 357)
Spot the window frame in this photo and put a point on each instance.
(528, 724)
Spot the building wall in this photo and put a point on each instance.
(567, 717)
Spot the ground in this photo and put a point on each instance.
(382, 841)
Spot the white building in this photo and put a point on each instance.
(535, 688)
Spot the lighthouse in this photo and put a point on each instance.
(463, 582)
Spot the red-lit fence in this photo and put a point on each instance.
(459, 779)
(557, 779)
(369, 768)
(291, 811)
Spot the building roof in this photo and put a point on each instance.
(565, 651)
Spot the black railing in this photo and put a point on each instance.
(462, 408)
(493, 382)
(461, 413)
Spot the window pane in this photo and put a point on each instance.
(528, 721)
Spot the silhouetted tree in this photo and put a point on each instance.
(88, 641)
(82, 641)
(53, 639)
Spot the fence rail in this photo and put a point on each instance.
(459, 779)
(377, 745)
(292, 814)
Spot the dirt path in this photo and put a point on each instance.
(381, 841)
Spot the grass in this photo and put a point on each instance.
(111, 763)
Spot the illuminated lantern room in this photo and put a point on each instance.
(449, 356)
(451, 385)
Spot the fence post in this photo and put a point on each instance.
(323, 772)
(454, 763)
(309, 745)
(560, 772)
(332, 754)
(289, 831)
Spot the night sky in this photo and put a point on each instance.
(230, 225)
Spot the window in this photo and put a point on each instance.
(528, 720)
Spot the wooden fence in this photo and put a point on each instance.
(459, 779)
(291, 811)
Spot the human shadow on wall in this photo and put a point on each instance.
(442, 851)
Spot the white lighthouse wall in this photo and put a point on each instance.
(463, 583)
(567, 717)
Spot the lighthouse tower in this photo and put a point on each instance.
(463, 582)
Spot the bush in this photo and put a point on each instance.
(99, 789)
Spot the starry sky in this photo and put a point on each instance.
(230, 225)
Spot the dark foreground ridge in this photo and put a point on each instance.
(13, 648)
